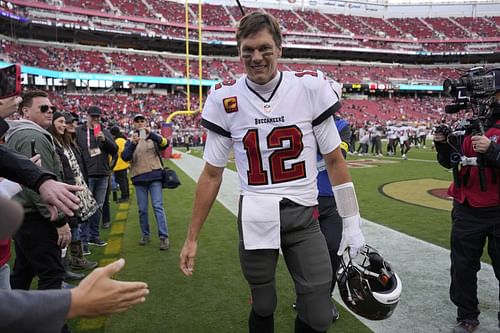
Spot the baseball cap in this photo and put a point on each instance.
(115, 130)
(57, 114)
(94, 111)
(69, 117)
(139, 116)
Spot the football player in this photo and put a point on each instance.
(276, 122)
(329, 219)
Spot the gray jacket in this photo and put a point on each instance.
(41, 311)
(19, 137)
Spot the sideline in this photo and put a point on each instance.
(423, 267)
(111, 253)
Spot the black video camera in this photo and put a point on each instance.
(475, 90)
(473, 87)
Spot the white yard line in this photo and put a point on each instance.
(423, 267)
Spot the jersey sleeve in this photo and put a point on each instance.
(326, 99)
(217, 149)
(327, 136)
(213, 116)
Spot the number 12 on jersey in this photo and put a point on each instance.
(277, 170)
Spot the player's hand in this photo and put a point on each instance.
(187, 256)
(352, 236)
(480, 143)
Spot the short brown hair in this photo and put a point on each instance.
(28, 98)
(254, 22)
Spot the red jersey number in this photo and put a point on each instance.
(278, 170)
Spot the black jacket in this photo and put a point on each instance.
(98, 165)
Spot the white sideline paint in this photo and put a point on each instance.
(423, 267)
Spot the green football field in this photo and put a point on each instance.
(216, 297)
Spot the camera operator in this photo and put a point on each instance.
(476, 209)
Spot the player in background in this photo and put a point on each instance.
(329, 219)
(392, 138)
(276, 122)
(404, 140)
(422, 135)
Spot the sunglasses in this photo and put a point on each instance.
(140, 121)
(45, 108)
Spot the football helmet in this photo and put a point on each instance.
(370, 288)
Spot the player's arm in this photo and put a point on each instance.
(337, 167)
(206, 192)
(216, 154)
(343, 188)
(347, 203)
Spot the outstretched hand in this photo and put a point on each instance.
(60, 195)
(98, 294)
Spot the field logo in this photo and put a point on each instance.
(230, 104)
(425, 192)
(367, 163)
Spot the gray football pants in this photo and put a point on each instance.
(306, 255)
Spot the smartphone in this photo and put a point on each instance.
(10, 81)
(142, 134)
(97, 130)
(33, 148)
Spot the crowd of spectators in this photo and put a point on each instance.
(119, 108)
(74, 59)
(167, 18)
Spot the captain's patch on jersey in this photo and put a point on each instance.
(230, 104)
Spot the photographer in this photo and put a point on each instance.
(475, 159)
(142, 150)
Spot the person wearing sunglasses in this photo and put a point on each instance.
(39, 240)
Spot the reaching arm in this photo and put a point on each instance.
(206, 192)
(98, 294)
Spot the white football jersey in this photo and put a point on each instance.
(273, 140)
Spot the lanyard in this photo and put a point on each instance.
(88, 137)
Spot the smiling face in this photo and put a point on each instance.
(260, 54)
(71, 126)
(59, 125)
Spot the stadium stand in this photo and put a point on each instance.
(304, 27)
(167, 18)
